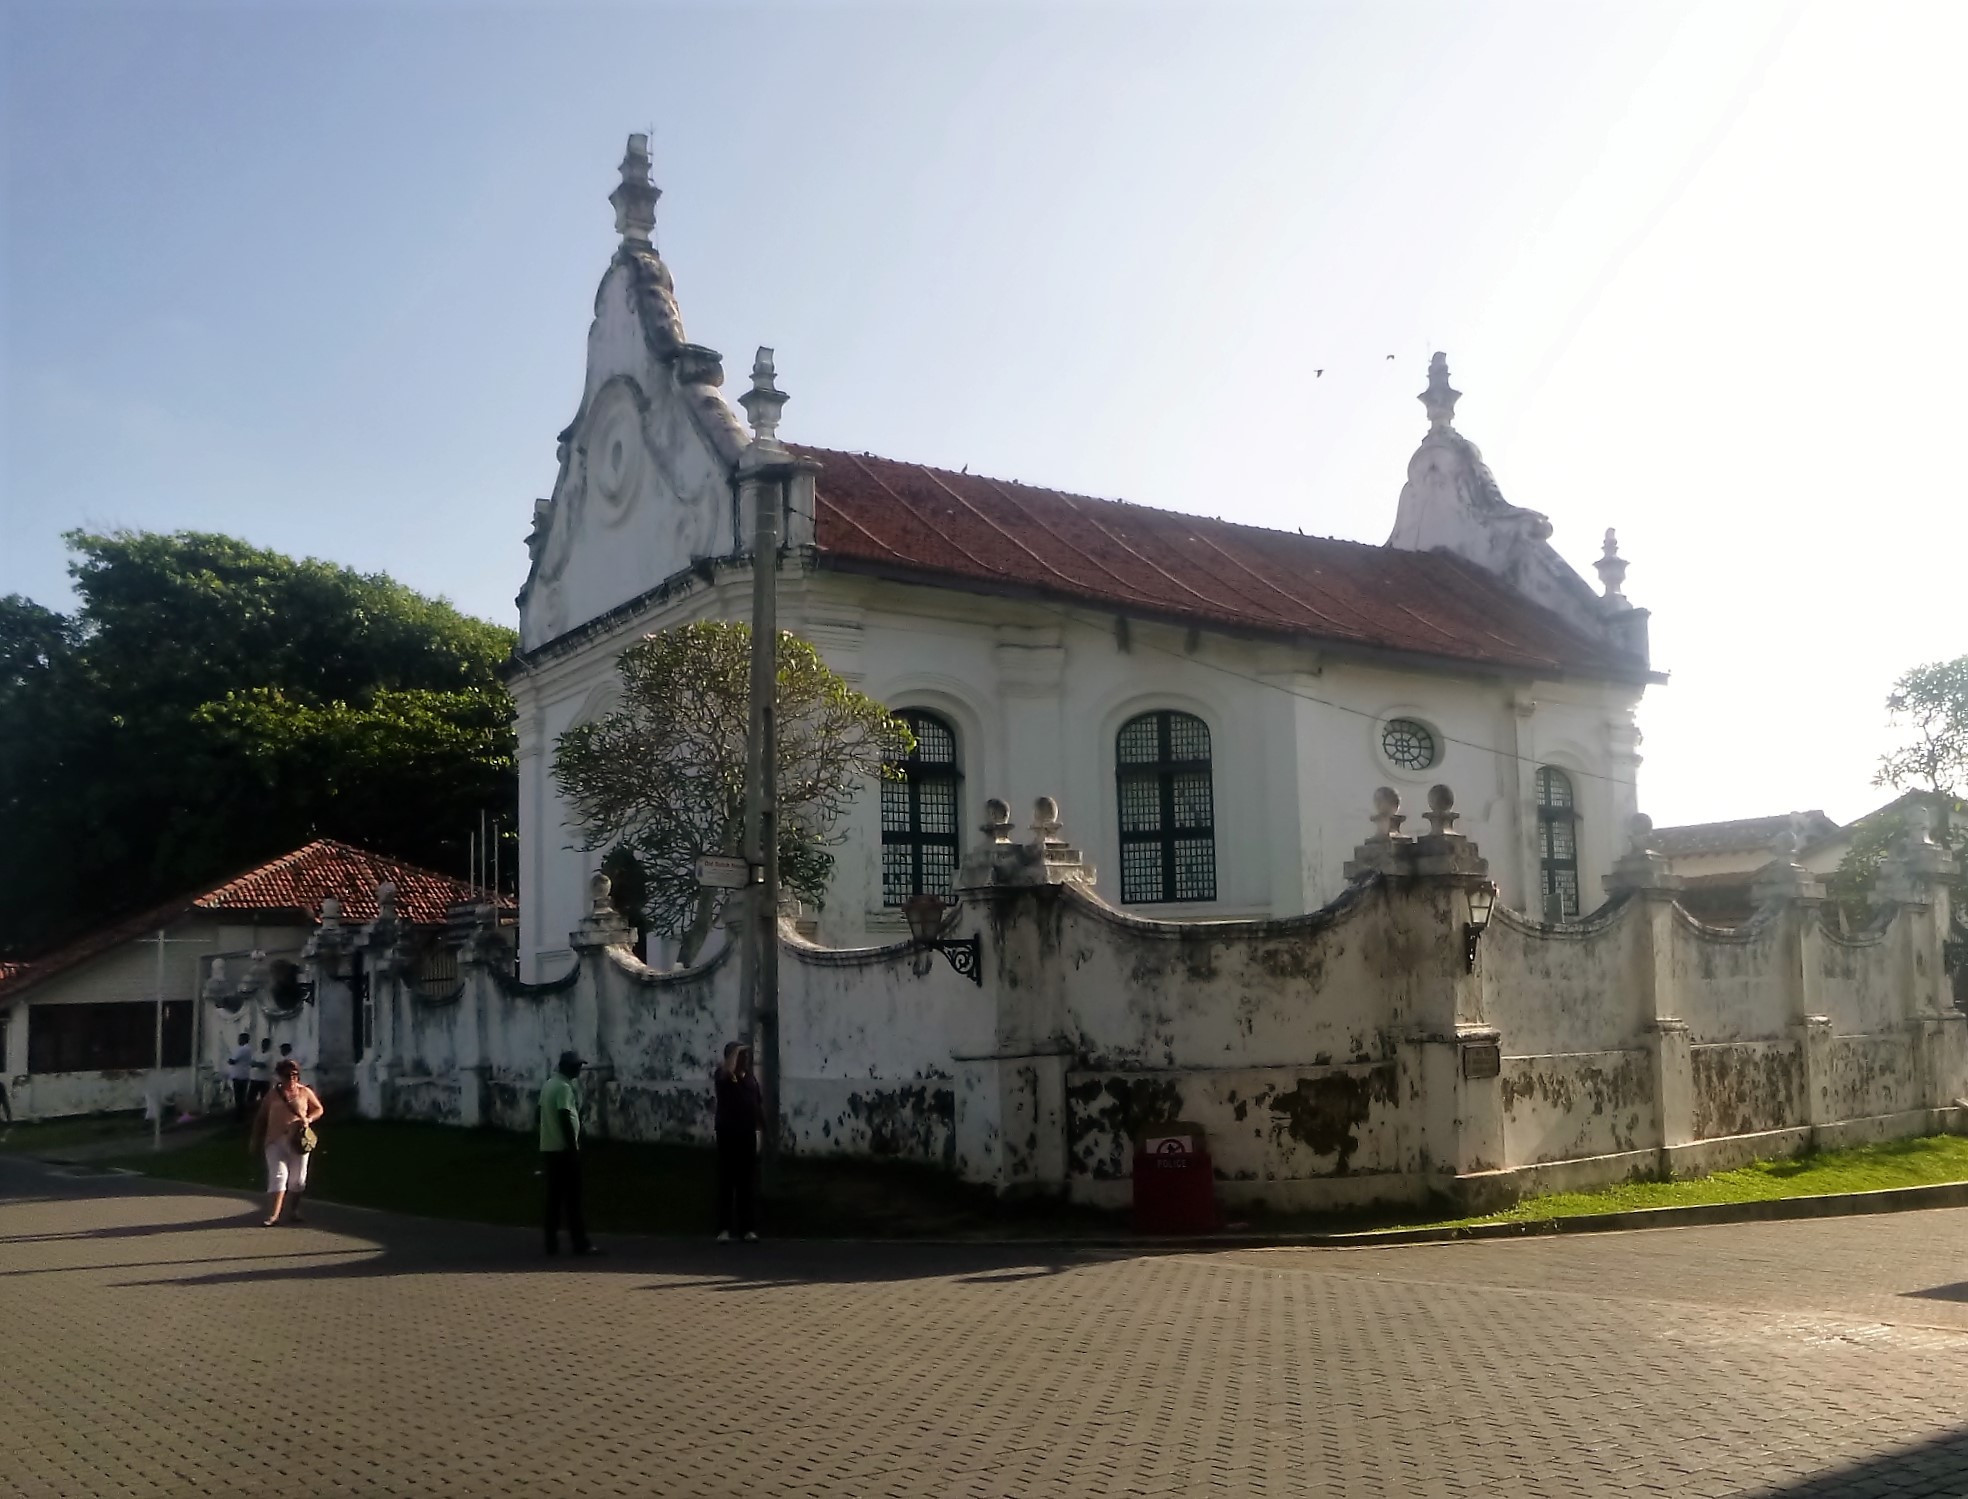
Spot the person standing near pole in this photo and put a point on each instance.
(740, 1114)
(560, 1156)
(262, 1073)
(239, 1073)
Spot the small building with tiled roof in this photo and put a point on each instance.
(80, 1026)
(1719, 861)
(1212, 703)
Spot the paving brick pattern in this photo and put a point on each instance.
(155, 1343)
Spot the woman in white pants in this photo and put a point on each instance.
(289, 1107)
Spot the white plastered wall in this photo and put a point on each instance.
(1036, 694)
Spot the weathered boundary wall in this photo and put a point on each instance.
(1356, 1055)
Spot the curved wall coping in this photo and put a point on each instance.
(1753, 930)
(624, 961)
(1586, 927)
(514, 988)
(1873, 934)
(1347, 903)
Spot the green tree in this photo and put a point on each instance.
(1876, 836)
(664, 775)
(210, 704)
(1929, 705)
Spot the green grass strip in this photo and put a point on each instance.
(1864, 1168)
(491, 1176)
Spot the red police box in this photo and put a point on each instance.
(1174, 1182)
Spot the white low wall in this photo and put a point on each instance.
(1348, 1057)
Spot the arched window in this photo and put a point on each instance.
(1168, 811)
(1558, 853)
(919, 814)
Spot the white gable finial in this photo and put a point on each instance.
(1611, 567)
(635, 197)
(1387, 816)
(1439, 400)
(764, 401)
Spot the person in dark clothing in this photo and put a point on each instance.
(239, 1073)
(262, 1070)
(560, 1156)
(740, 1115)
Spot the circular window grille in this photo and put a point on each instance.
(1408, 744)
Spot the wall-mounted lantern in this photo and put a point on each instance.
(925, 915)
(1482, 900)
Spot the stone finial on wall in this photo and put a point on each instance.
(386, 901)
(1611, 568)
(635, 197)
(1384, 851)
(1642, 866)
(1386, 816)
(1439, 400)
(764, 401)
(1441, 813)
(1442, 850)
(1916, 863)
(1783, 878)
(1046, 825)
(1044, 859)
(603, 926)
(996, 826)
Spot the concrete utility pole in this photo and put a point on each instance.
(157, 1054)
(765, 471)
(765, 778)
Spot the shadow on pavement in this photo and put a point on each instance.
(1956, 1292)
(410, 1247)
(121, 1231)
(1934, 1469)
(340, 1242)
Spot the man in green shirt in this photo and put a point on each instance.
(560, 1155)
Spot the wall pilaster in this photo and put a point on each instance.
(1641, 875)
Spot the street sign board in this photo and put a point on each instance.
(723, 872)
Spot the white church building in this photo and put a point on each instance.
(1211, 703)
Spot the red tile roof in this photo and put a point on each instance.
(301, 880)
(293, 885)
(907, 520)
(1743, 834)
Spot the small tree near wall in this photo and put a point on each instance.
(664, 775)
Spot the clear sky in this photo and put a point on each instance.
(321, 277)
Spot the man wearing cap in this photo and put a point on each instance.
(560, 1155)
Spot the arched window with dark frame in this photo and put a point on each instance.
(919, 813)
(1168, 808)
(1558, 858)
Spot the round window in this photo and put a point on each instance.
(1408, 744)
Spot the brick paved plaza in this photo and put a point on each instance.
(157, 1343)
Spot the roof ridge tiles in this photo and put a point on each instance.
(876, 514)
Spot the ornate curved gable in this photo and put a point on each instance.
(644, 488)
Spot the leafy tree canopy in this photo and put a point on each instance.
(663, 776)
(1930, 706)
(1876, 836)
(210, 704)
(1930, 703)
